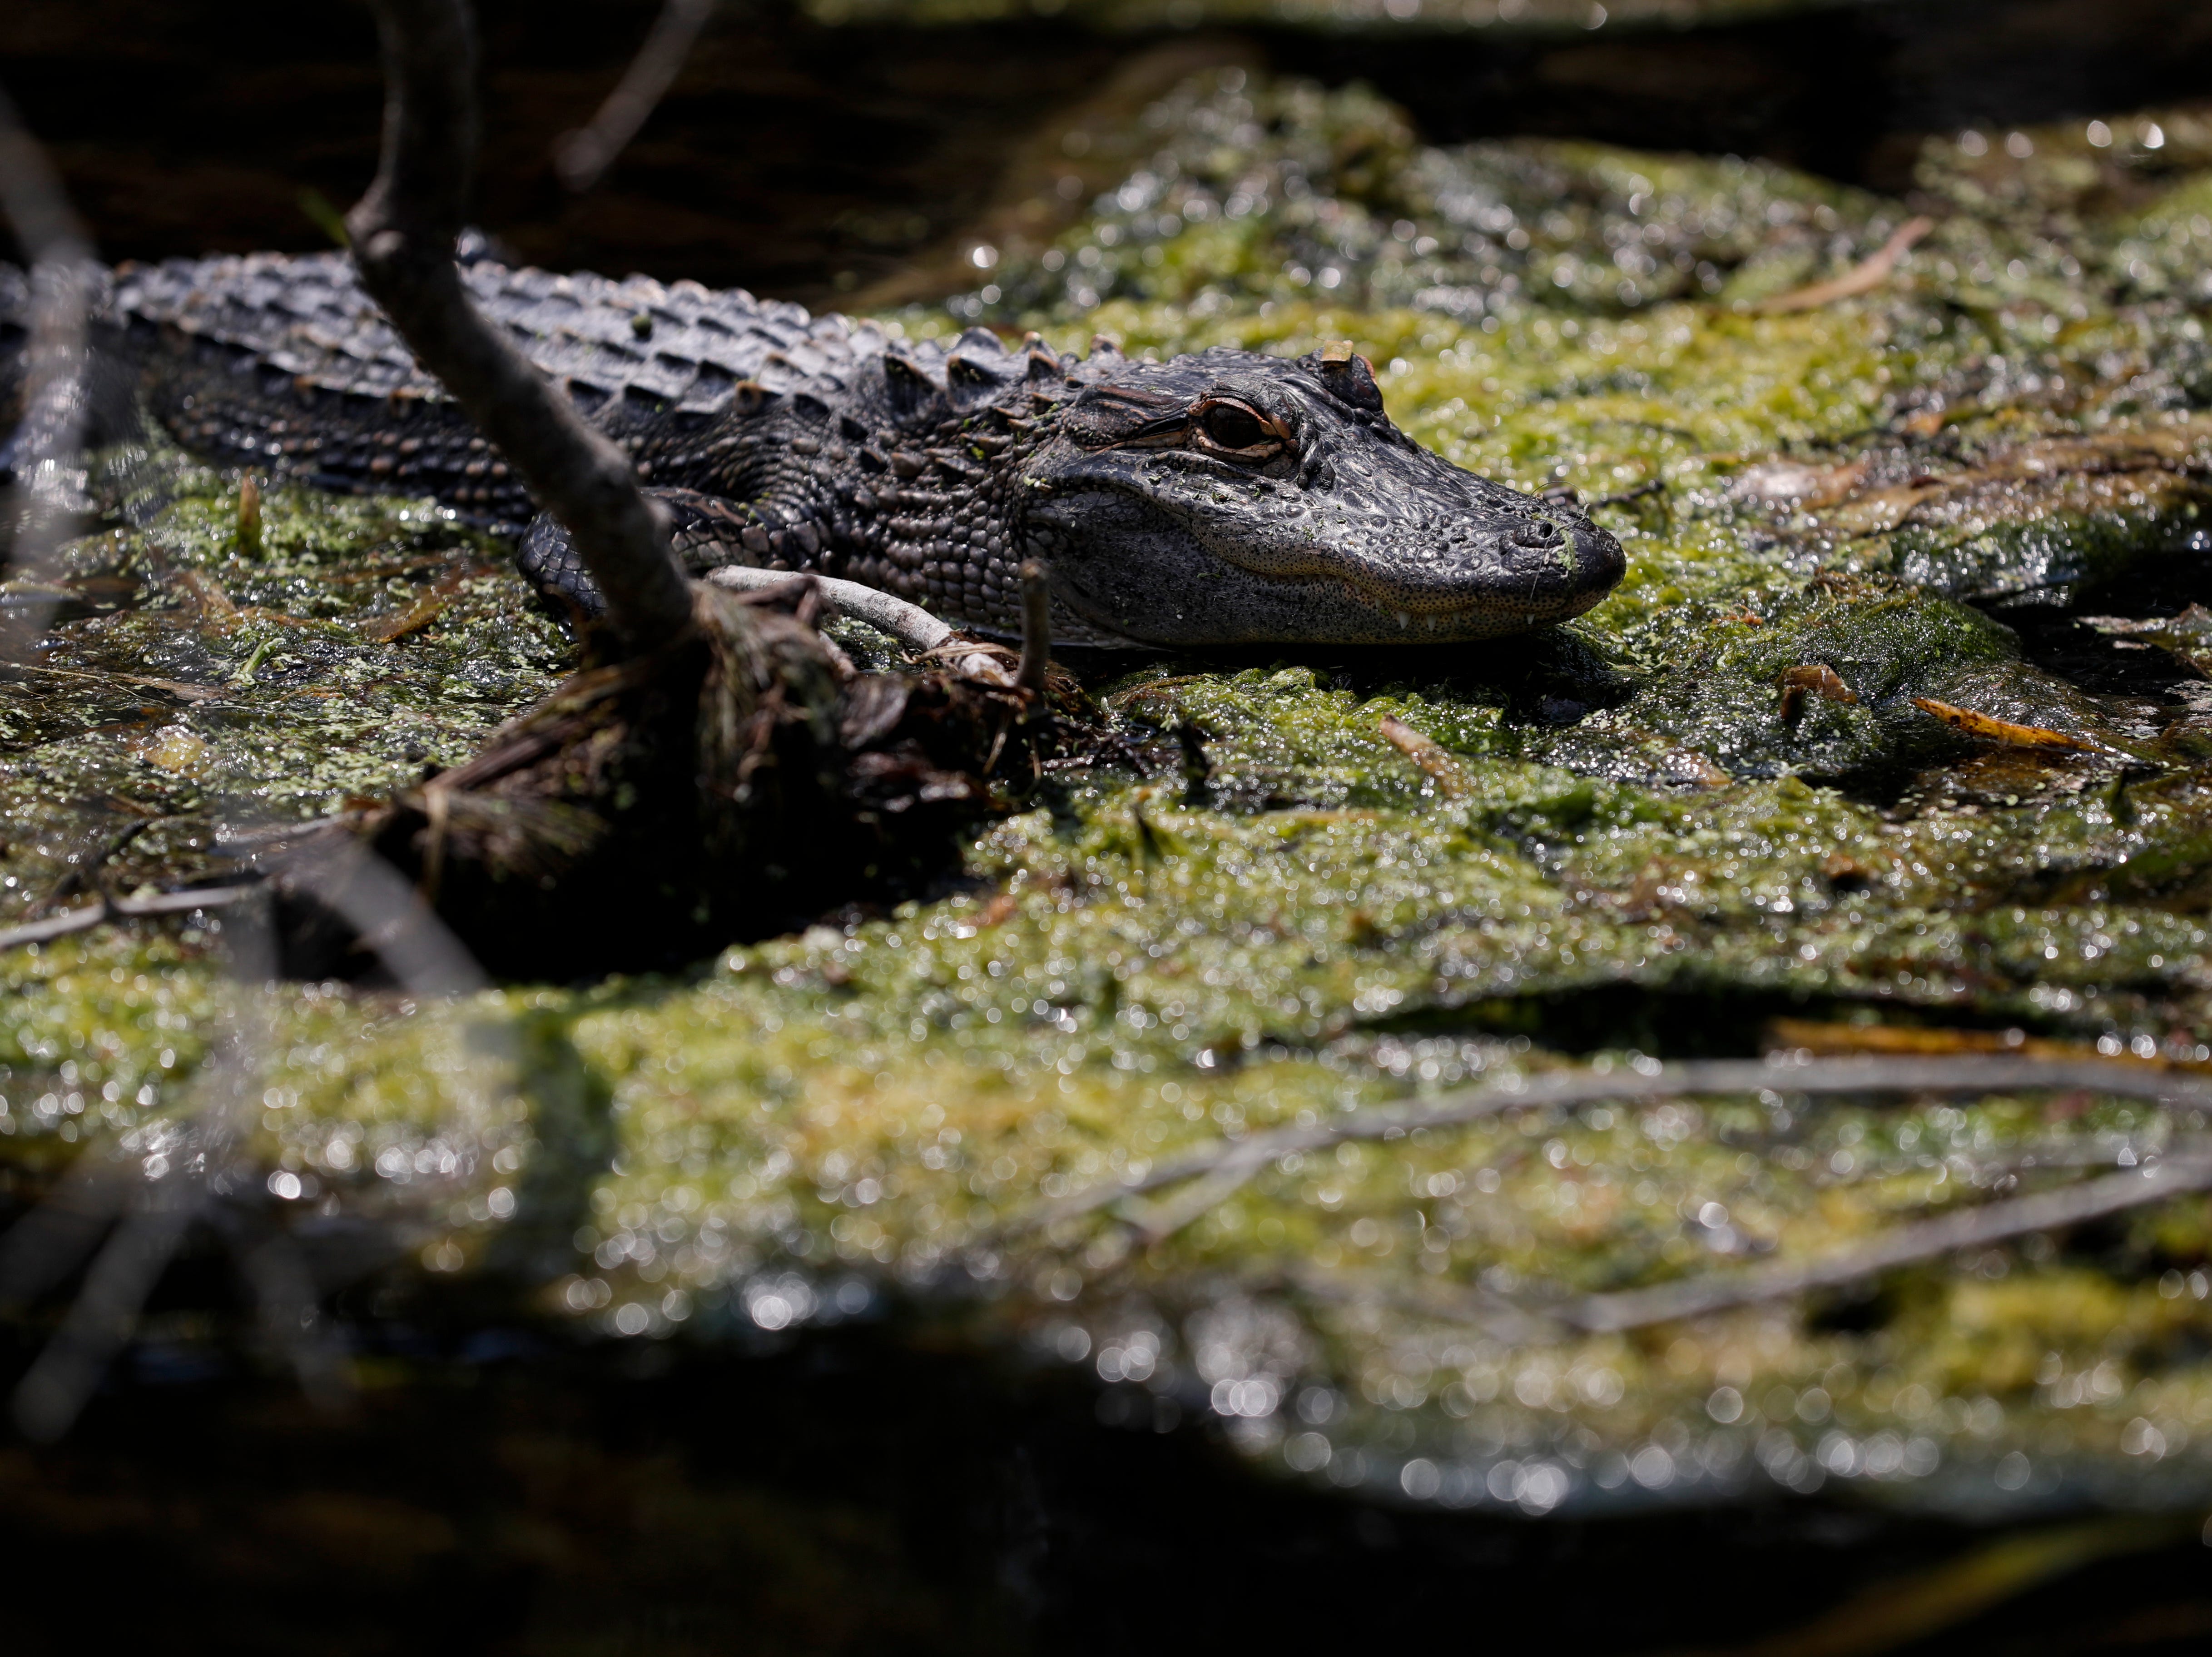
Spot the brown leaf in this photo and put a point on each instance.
(1862, 278)
(1812, 1036)
(210, 606)
(1990, 728)
(1813, 678)
(1430, 756)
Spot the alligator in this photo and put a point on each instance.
(1221, 497)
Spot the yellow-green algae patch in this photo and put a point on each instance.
(1629, 840)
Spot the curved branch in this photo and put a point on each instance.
(1236, 1160)
(403, 233)
(1920, 1239)
(910, 624)
(1535, 1321)
(43, 452)
(581, 158)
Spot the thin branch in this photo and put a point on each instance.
(43, 453)
(99, 1321)
(176, 688)
(1786, 1073)
(1862, 278)
(287, 1297)
(1921, 1239)
(1472, 1306)
(1442, 766)
(581, 158)
(402, 234)
(386, 913)
(115, 909)
(910, 624)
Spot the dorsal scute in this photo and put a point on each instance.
(685, 344)
(908, 386)
(979, 369)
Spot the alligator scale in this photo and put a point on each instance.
(1216, 498)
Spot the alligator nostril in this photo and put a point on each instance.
(1537, 532)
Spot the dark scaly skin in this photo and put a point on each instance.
(1223, 497)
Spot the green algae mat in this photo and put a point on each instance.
(1277, 1089)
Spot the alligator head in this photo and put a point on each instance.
(1228, 496)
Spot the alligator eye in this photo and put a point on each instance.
(1234, 427)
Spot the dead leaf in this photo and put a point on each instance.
(210, 606)
(1813, 679)
(1793, 483)
(1990, 728)
(1812, 1036)
(1443, 768)
(419, 615)
(1863, 278)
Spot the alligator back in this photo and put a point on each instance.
(285, 361)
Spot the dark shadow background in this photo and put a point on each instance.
(787, 153)
(500, 1487)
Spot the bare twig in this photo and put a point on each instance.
(910, 624)
(1862, 278)
(1470, 1306)
(581, 158)
(403, 235)
(182, 691)
(99, 1321)
(108, 908)
(43, 453)
(230, 840)
(1921, 1239)
(1431, 756)
(386, 913)
(1037, 628)
(1782, 1073)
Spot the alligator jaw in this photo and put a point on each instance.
(1557, 587)
(1167, 591)
(1440, 597)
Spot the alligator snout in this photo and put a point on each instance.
(1522, 574)
(1599, 565)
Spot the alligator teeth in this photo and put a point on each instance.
(1404, 620)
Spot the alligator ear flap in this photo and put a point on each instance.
(1348, 376)
(909, 386)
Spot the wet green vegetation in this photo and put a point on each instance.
(1715, 800)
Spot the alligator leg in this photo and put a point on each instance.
(705, 531)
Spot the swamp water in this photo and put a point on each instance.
(1980, 484)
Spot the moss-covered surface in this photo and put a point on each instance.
(1633, 843)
